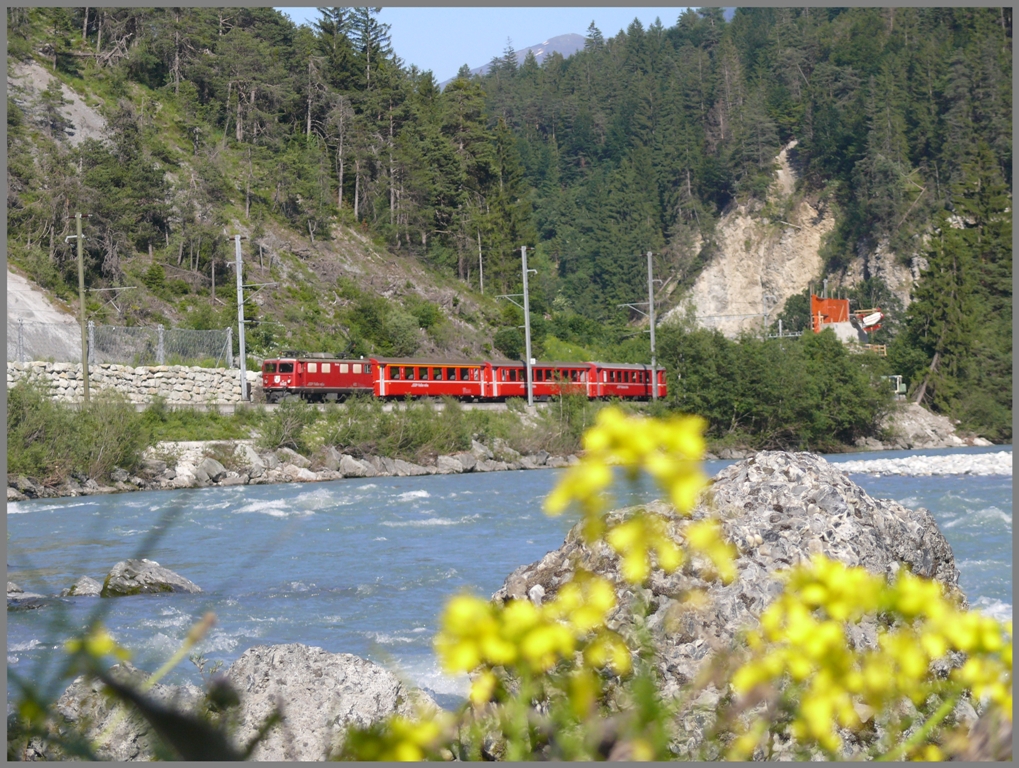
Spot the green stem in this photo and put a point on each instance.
(917, 738)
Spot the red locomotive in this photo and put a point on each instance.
(319, 377)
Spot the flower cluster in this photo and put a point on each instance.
(400, 739)
(670, 451)
(476, 633)
(803, 637)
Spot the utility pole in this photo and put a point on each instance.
(651, 321)
(527, 327)
(240, 320)
(81, 305)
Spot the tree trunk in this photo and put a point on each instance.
(392, 186)
(357, 186)
(84, 26)
(923, 387)
(307, 131)
(99, 33)
(240, 128)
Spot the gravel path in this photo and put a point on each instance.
(999, 463)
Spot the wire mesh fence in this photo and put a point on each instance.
(135, 346)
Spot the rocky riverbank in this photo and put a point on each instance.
(218, 463)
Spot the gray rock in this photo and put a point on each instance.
(133, 577)
(503, 452)
(328, 458)
(299, 474)
(232, 478)
(351, 467)
(448, 465)
(86, 586)
(403, 468)
(288, 456)
(153, 467)
(13, 494)
(557, 462)
(248, 457)
(24, 485)
(777, 508)
(270, 461)
(116, 732)
(212, 469)
(541, 458)
(383, 465)
(467, 460)
(19, 599)
(480, 451)
(119, 475)
(321, 694)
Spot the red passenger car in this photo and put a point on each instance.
(315, 378)
(626, 381)
(429, 378)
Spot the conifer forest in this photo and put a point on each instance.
(218, 118)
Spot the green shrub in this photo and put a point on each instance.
(49, 440)
(284, 426)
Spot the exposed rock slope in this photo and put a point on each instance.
(759, 264)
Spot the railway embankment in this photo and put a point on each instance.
(219, 463)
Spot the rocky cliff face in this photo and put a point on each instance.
(764, 257)
(762, 261)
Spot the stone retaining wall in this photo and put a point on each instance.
(176, 384)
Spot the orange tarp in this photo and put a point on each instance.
(826, 311)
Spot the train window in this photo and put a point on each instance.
(583, 375)
(503, 374)
(286, 367)
(423, 374)
(312, 367)
(367, 367)
(356, 368)
(327, 367)
(269, 368)
(451, 374)
(408, 373)
(513, 374)
(394, 373)
(463, 374)
(436, 374)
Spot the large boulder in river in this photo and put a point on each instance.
(143, 576)
(778, 509)
(320, 694)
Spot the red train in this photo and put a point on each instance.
(319, 377)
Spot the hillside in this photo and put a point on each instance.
(755, 154)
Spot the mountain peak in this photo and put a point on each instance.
(565, 45)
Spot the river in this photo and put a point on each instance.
(365, 566)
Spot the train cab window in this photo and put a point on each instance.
(422, 374)
(394, 372)
(367, 367)
(503, 375)
(436, 374)
(513, 374)
(312, 367)
(286, 367)
(269, 368)
(583, 376)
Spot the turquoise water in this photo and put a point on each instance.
(362, 566)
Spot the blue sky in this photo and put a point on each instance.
(441, 39)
